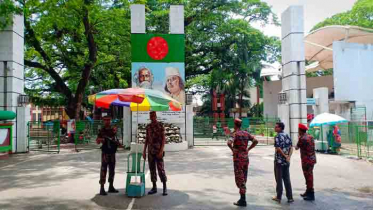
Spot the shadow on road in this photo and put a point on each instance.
(157, 201)
(113, 200)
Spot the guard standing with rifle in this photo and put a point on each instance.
(107, 137)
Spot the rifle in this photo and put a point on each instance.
(112, 140)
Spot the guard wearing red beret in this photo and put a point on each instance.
(306, 144)
(239, 147)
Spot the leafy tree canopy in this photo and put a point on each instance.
(76, 47)
(361, 15)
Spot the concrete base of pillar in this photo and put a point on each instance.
(23, 117)
(167, 148)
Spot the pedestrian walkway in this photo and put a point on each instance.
(200, 178)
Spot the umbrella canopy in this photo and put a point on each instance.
(138, 99)
(319, 43)
(327, 119)
(107, 98)
(148, 100)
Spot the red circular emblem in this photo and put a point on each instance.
(157, 48)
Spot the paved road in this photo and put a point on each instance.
(200, 178)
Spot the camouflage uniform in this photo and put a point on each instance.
(306, 144)
(241, 158)
(154, 139)
(109, 148)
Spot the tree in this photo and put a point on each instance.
(7, 9)
(242, 64)
(319, 73)
(361, 15)
(70, 44)
(74, 47)
(208, 26)
(222, 49)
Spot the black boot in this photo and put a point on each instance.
(304, 194)
(102, 190)
(164, 189)
(310, 196)
(153, 190)
(112, 189)
(242, 201)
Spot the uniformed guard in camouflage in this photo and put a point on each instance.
(241, 158)
(107, 136)
(306, 144)
(155, 141)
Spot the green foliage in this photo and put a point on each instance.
(7, 9)
(256, 110)
(74, 48)
(320, 73)
(212, 28)
(361, 15)
(77, 47)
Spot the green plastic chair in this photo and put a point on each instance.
(131, 168)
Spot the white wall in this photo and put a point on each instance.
(12, 51)
(253, 96)
(270, 96)
(272, 88)
(353, 73)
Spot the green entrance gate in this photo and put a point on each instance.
(210, 132)
(86, 133)
(43, 136)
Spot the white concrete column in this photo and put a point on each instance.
(138, 19)
(293, 65)
(127, 122)
(189, 125)
(23, 117)
(12, 72)
(322, 98)
(176, 19)
(284, 115)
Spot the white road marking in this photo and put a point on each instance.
(130, 206)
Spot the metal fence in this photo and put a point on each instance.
(86, 133)
(43, 136)
(356, 139)
(47, 136)
(209, 131)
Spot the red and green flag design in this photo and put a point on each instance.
(163, 48)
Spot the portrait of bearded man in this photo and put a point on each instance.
(144, 78)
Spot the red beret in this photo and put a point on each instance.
(237, 120)
(303, 127)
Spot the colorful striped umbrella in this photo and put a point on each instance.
(138, 99)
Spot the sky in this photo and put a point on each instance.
(315, 11)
